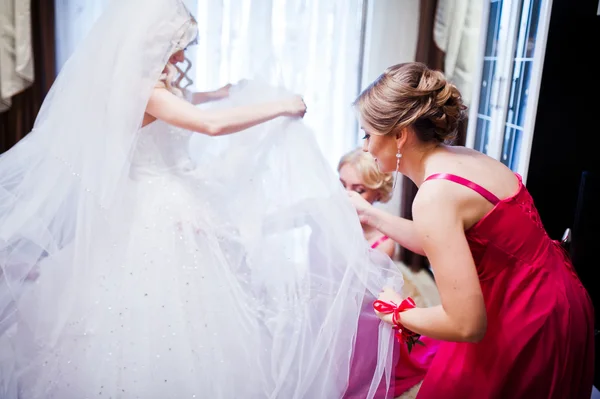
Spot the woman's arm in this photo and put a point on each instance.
(398, 229)
(462, 315)
(169, 108)
(202, 97)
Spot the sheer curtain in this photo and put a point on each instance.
(312, 47)
(74, 19)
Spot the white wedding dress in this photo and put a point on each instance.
(156, 263)
(169, 316)
(187, 298)
(174, 313)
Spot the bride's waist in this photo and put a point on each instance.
(140, 171)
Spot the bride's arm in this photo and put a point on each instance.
(202, 97)
(169, 108)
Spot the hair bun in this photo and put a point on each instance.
(413, 95)
(447, 111)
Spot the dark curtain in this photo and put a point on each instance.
(16, 122)
(428, 53)
(564, 171)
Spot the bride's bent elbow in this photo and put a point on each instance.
(211, 129)
(215, 130)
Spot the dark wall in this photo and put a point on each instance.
(567, 124)
(566, 134)
(18, 120)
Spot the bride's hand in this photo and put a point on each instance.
(361, 205)
(223, 92)
(294, 107)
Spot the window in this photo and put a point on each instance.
(311, 47)
(504, 106)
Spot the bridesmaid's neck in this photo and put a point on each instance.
(414, 162)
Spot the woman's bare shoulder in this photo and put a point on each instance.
(478, 168)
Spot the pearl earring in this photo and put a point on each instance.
(398, 156)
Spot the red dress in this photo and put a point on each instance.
(539, 338)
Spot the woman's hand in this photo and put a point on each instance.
(223, 92)
(361, 205)
(390, 296)
(294, 107)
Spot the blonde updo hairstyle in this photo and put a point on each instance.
(412, 95)
(174, 78)
(369, 172)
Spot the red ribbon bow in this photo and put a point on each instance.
(403, 334)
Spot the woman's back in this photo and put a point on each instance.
(540, 318)
(475, 167)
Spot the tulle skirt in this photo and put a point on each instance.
(179, 301)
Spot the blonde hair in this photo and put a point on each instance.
(369, 172)
(411, 94)
(173, 77)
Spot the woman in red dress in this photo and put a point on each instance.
(516, 319)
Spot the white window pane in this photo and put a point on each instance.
(512, 146)
(490, 61)
(482, 133)
(521, 77)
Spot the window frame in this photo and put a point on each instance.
(509, 29)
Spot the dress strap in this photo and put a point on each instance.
(379, 242)
(467, 183)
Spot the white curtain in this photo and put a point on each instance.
(312, 47)
(74, 18)
(16, 50)
(456, 32)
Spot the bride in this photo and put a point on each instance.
(132, 267)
